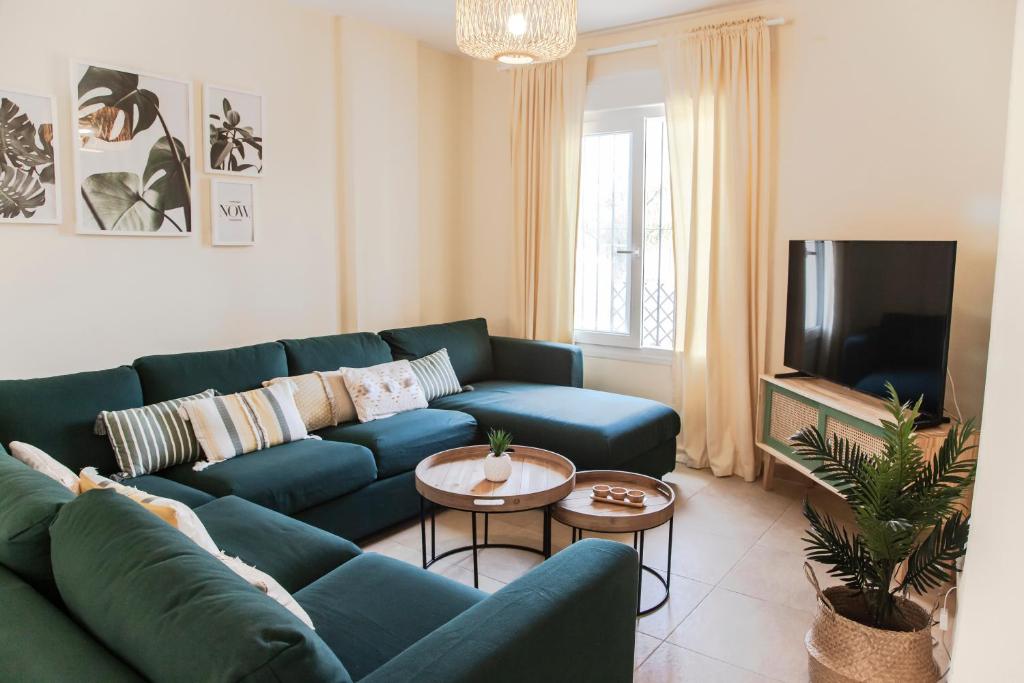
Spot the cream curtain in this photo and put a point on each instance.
(547, 125)
(718, 102)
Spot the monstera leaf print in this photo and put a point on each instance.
(118, 202)
(18, 145)
(167, 168)
(122, 102)
(21, 193)
(228, 141)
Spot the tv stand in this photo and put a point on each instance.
(788, 403)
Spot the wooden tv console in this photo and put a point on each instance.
(787, 405)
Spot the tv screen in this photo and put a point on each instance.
(865, 313)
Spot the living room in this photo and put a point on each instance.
(521, 288)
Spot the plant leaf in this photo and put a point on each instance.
(20, 193)
(18, 138)
(167, 176)
(117, 202)
(119, 91)
(933, 564)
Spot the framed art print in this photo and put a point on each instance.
(235, 124)
(133, 152)
(29, 158)
(233, 208)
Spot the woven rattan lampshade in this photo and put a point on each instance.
(516, 31)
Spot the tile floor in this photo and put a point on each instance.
(739, 605)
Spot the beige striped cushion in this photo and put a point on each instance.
(321, 397)
(227, 426)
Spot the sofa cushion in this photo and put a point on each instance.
(372, 608)
(58, 414)
(38, 640)
(29, 501)
(467, 341)
(287, 478)
(358, 350)
(228, 371)
(594, 429)
(168, 488)
(296, 554)
(399, 442)
(168, 607)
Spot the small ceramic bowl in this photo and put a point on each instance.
(618, 492)
(635, 496)
(601, 490)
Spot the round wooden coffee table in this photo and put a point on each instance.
(455, 479)
(582, 513)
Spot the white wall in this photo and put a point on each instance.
(988, 632)
(889, 124)
(71, 302)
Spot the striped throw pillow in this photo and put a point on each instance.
(151, 438)
(436, 375)
(227, 426)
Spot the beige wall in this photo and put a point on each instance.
(71, 302)
(889, 125)
(990, 598)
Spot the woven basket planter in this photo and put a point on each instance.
(843, 650)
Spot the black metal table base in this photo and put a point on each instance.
(638, 545)
(475, 547)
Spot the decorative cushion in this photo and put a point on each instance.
(355, 350)
(40, 461)
(58, 414)
(321, 398)
(467, 341)
(168, 608)
(227, 426)
(383, 390)
(186, 521)
(436, 375)
(151, 438)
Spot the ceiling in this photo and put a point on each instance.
(433, 21)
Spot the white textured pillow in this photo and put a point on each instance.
(187, 522)
(41, 461)
(321, 397)
(250, 421)
(384, 390)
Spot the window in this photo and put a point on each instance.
(625, 269)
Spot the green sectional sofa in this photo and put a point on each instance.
(359, 479)
(96, 588)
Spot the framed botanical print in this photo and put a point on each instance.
(132, 151)
(235, 122)
(233, 209)
(29, 158)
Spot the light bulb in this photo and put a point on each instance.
(516, 24)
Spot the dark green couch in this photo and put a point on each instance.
(130, 599)
(359, 479)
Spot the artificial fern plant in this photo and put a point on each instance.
(499, 441)
(907, 511)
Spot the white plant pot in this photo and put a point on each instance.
(497, 467)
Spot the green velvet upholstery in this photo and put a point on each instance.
(294, 553)
(374, 607)
(399, 442)
(541, 362)
(57, 414)
(357, 350)
(170, 609)
(656, 462)
(570, 619)
(168, 488)
(228, 371)
(287, 478)
(29, 501)
(594, 429)
(380, 505)
(38, 642)
(467, 341)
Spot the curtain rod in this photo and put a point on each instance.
(625, 47)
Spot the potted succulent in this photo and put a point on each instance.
(498, 463)
(909, 530)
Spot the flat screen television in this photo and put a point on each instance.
(863, 313)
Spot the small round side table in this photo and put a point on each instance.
(455, 479)
(581, 512)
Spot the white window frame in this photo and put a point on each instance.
(626, 120)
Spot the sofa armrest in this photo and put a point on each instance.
(570, 619)
(537, 361)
